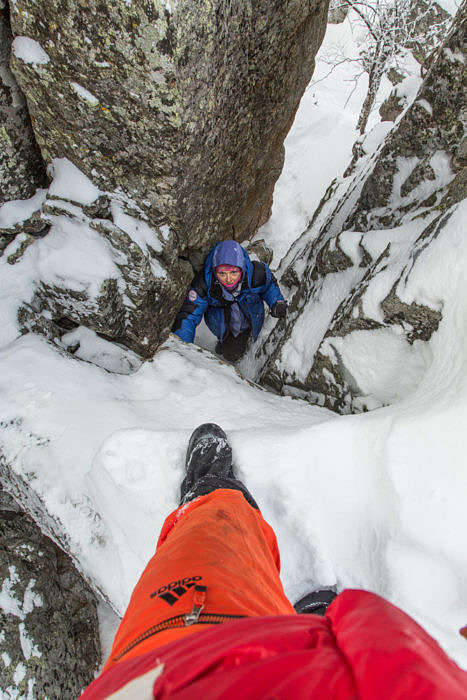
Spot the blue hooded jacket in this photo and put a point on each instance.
(205, 295)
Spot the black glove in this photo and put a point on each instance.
(279, 309)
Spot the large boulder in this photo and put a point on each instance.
(176, 114)
(347, 276)
(49, 643)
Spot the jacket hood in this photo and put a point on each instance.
(228, 253)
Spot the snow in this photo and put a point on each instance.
(92, 348)
(381, 362)
(10, 604)
(375, 500)
(426, 105)
(18, 210)
(165, 230)
(87, 262)
(310, 327)
(140, 232)
(450, 6)
(72, 254)
(30, 51)
(458, 56)
(19, 674)
(108, 623)
(85, 94)
(70, 183)
(27, 645)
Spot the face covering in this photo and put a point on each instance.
(220, 269)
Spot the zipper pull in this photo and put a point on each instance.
(198, 605)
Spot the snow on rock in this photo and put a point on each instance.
(380, 363)
(30, 51)
(27, 645)
(21, 166)
(85, 94)
(92, 272)
(70, 183)
(18, 210)
(72, 256)
(142, 234)
(86, 345)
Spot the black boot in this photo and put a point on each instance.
(209, 465)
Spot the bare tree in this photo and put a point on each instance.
(390, 26)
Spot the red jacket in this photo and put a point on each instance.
(363, 648)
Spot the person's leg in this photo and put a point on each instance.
(217, 559)
(217, 542)
(232, 347)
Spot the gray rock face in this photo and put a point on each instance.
(246, 65)
(21, 166)
(177, 112)
(388, 216)
(49, 646)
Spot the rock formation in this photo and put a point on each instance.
(49, 645)
(389, 214)
(175, 114)
(21, 167)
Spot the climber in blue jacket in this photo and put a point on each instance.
(229, 291)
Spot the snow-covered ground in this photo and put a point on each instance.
(375, 500)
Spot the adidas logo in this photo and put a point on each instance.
(174, 590)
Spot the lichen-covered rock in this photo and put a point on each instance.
(338, 11)
(260, 250)
(49, 644)
(347, 277)
(428, 22)
(391, 107)
(21, 165)
(176, 113)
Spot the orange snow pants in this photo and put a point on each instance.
(216, 560)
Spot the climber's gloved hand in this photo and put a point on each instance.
(279, 310)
